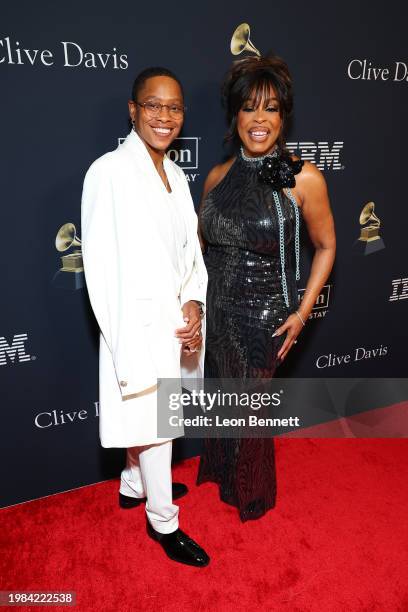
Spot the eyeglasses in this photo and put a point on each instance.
(154, 109)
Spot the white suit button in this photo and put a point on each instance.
(123, 383)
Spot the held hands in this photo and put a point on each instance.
(293, 326)
(190, 336)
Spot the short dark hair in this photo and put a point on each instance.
(148, 73)
(255, 76)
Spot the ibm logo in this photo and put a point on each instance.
(16, 349)
(399, 289)
(318, 153)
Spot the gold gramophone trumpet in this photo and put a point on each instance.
(371, 231)
(65, 239)
(240, 41)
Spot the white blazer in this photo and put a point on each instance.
(133, 288)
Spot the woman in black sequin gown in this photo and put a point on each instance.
(250, 229)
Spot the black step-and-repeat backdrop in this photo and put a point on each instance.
(66, 72)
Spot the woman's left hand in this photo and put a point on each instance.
(293, 326)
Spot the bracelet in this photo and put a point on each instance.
(298, 314)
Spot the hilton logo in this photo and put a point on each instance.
(15, 351)
(399, 290)
(322, 303)
(325, 157)
(184, 152)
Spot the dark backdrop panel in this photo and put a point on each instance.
(56, 119)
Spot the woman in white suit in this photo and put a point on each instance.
(147, 284)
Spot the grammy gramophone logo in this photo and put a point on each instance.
(370, 240)
(71, 273)
(241, 42)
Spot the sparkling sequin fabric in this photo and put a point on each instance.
(245, 304)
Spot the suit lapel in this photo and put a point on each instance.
(150, 192)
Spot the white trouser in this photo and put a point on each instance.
(148, 474)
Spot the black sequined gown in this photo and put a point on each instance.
(245, 304)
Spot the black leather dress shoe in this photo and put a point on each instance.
(179, 547)
(126, 502)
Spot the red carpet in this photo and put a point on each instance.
(337, 540)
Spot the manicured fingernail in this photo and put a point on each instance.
(275, 334)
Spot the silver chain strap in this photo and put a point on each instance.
(297, 232)
(282, 241)
(281, 246)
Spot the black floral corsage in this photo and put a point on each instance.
(278, 170)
